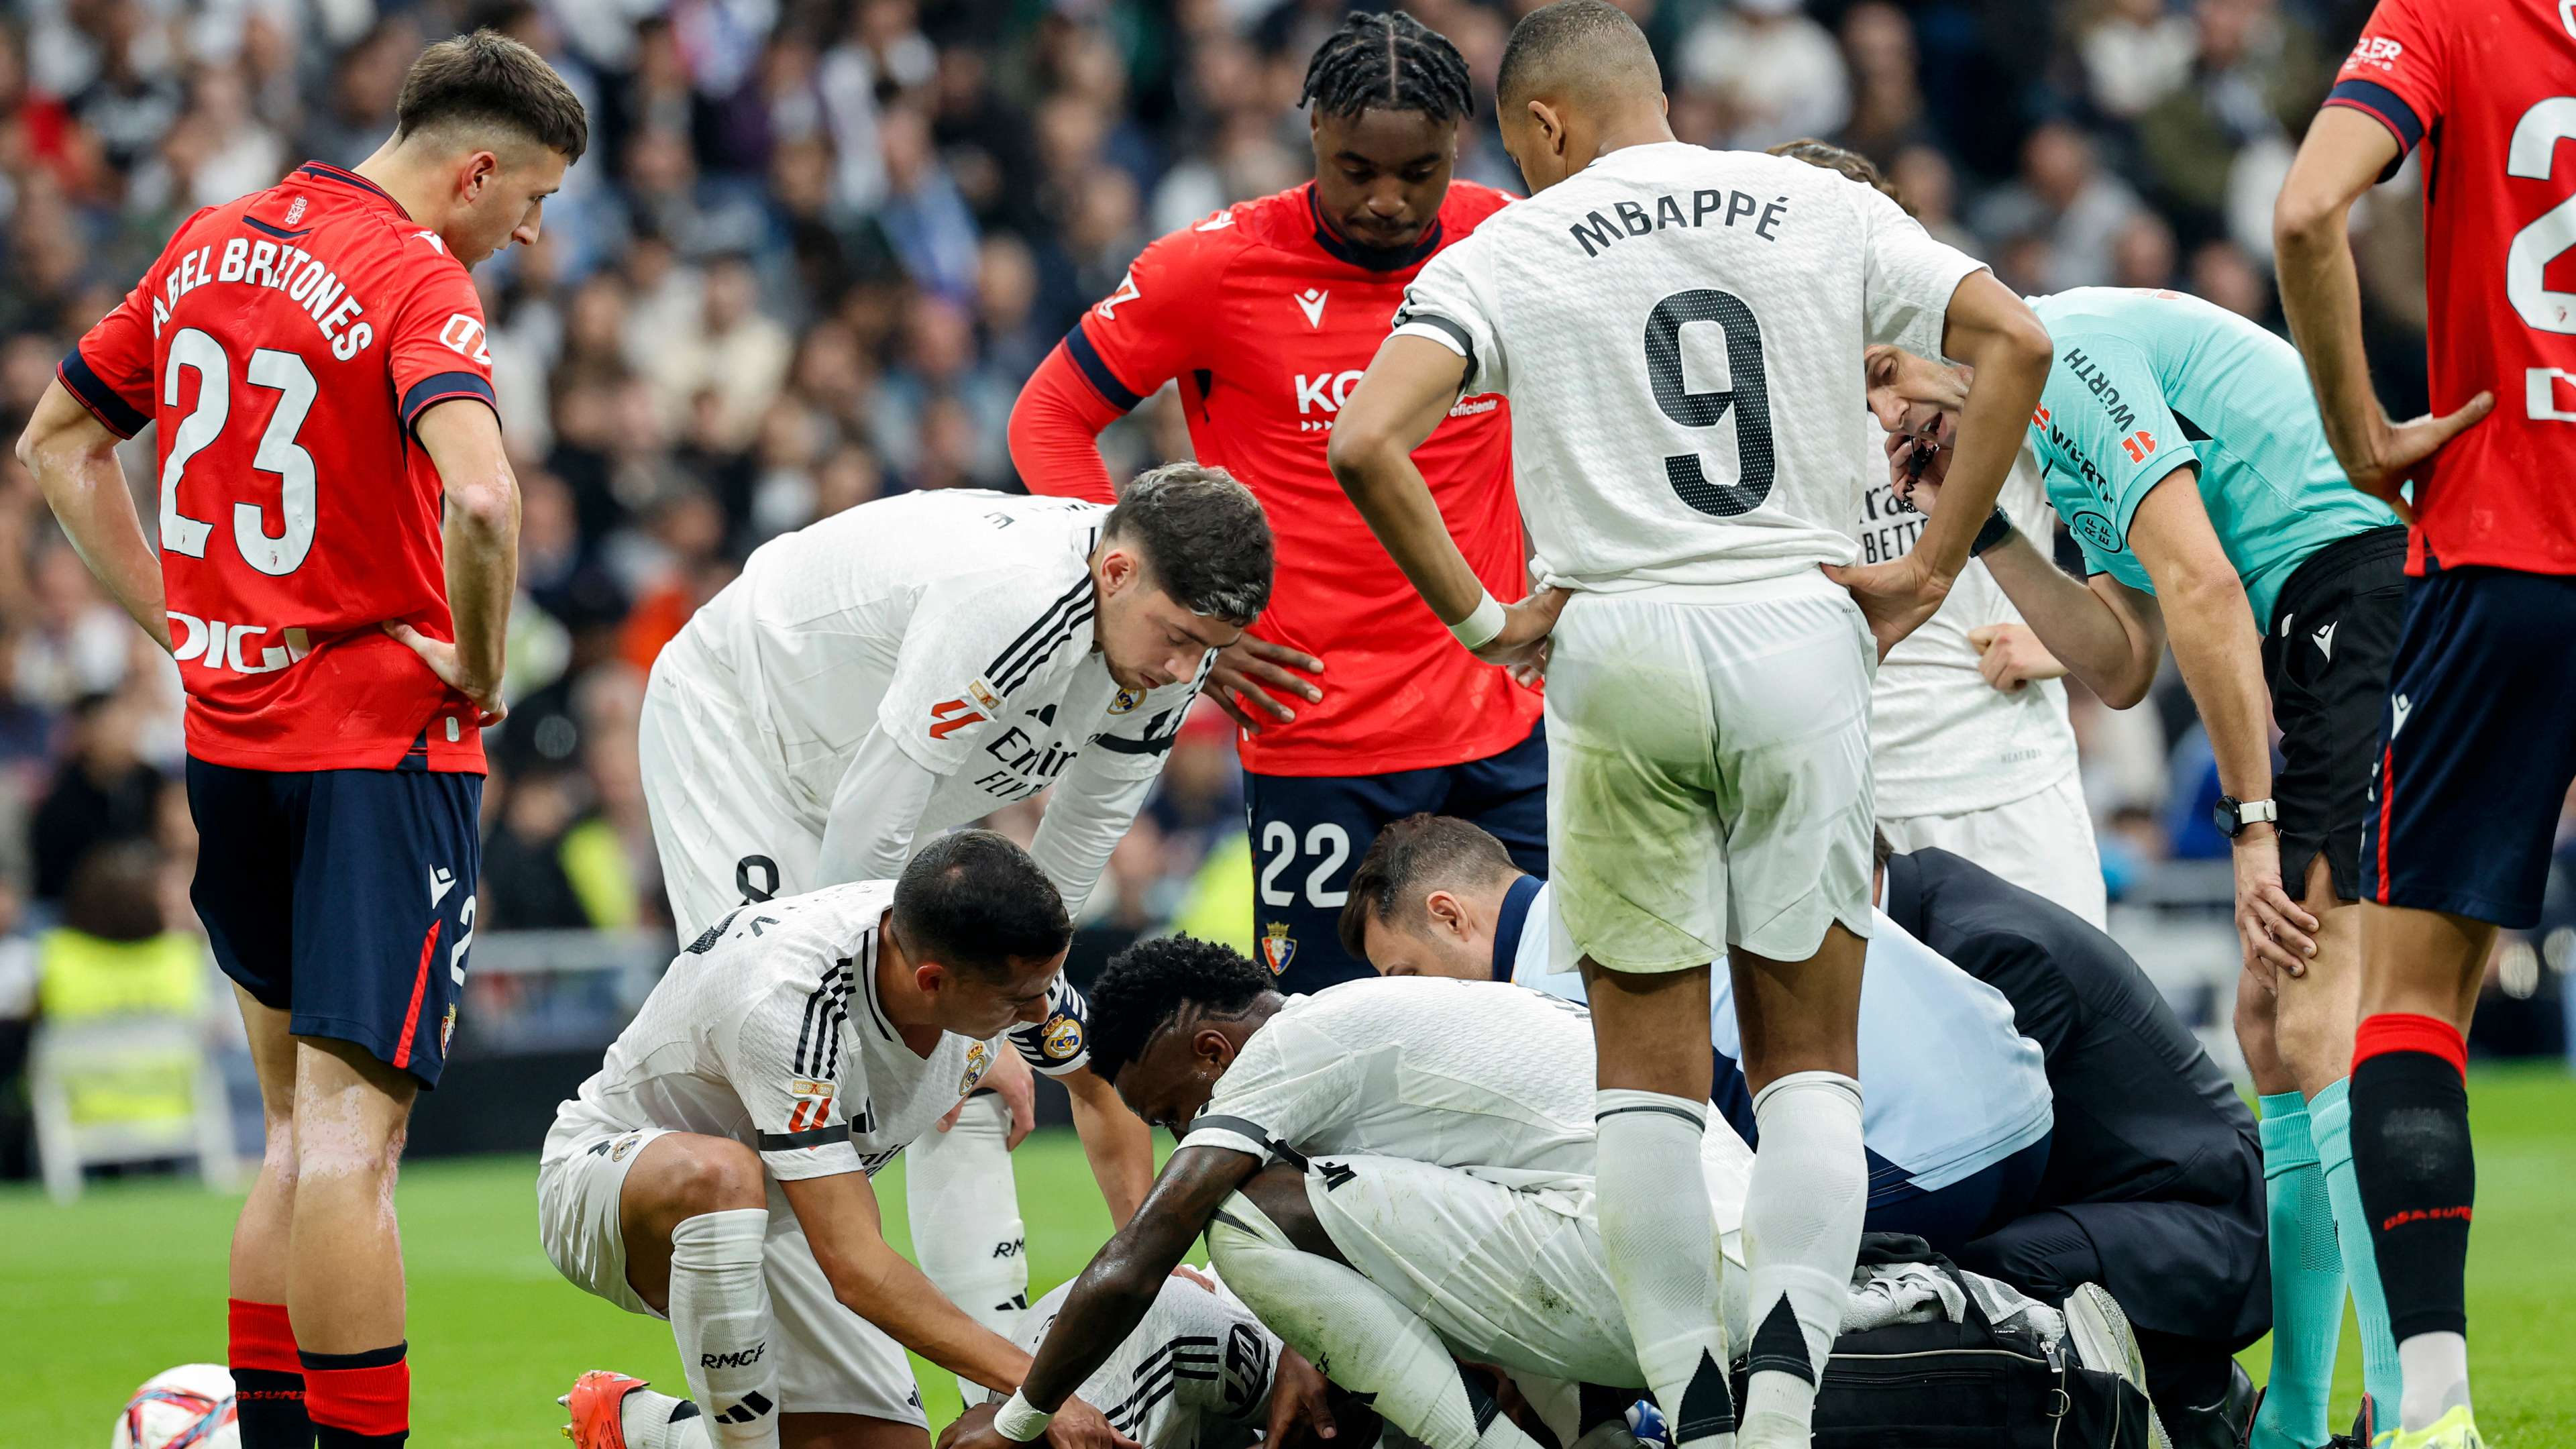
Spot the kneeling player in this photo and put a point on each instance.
(1954, 1101)
(715, 1170)
(1433, 1199)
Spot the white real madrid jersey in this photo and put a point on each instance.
(767, 1030)
(1680, 333)
(960, 623)
(1492, 1079)
(1942, 740)
(1195, 1373)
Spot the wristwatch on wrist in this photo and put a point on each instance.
(2233, 815)
(1998, 528)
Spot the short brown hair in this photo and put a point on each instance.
(1408, 861)
(1849, 163)
(487, 79)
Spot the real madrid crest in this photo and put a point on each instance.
(1127, 701)
(978, 1057)
(1063, 1038)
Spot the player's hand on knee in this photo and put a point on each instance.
(2278, 933)
(1248, 670)
(2010, 656)
(1297, 1407)
(1526, 625)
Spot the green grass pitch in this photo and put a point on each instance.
(97, 1297)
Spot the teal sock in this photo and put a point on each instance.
(2307, 1282)
(2330, 1118)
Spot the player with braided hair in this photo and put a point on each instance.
(1356, 708)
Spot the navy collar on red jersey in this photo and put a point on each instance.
(320, 171)
(1375, 259)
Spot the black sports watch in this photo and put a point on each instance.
(1998, 527)
(2233, 815)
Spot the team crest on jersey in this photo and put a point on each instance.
(1127, 701)
(1278, 948)
(617, 1150)
(1063, 1038)
(447, 1029)
(978, 1058)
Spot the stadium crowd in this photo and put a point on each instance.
(817, 245)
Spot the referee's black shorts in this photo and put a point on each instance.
(2326, 658)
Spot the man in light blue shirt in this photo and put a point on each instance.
(1955, 1106)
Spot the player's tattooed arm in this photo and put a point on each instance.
(73, 458)
(1113, 1295)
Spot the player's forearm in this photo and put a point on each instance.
(1117, 1142)
(2321, 296)
(2113, 655)
(1089, 812)
(881, 1287)
(876, 811)
(2011, 365)
(481, 538)
(73, 459)
(1390, 494)
(2220, 653)
(1113, 1295)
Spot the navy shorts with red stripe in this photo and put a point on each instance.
(2477, 746)
(344, 898)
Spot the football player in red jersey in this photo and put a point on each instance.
(1357, 709)
(2458, 838)
(338, 541)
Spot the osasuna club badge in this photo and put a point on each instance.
(1278, 948)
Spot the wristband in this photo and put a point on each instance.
(1479, 628)
(1998, 527)
(1019, 1421)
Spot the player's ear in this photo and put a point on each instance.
(480, 170)
(1448, 913)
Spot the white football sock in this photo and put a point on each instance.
(1355, 1333)
(646, 1418)
(1802, 1217)
(720, 1315)
(964, 1208)
(2434, 1369)
(1659, 1246)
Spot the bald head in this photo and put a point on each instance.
(1585, 55)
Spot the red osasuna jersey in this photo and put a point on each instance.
(1268, 318)
(2488, 88)
(286, 344)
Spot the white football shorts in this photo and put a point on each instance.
(723, 826)
(1709, 776)
(2042, 842)
(830, 1360)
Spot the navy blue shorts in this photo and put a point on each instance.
(343, 897)
(2477, 745)
(1309, 832)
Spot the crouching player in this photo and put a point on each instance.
(715, 1170)
(1955, 1111)
(1395, 1175)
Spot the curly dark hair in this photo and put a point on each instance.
(1388, 61)
(1145, 986)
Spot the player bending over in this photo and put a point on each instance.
(337, 549)
(1709, 692)
(2473, 751)
(2182, 446)
(1971, 749)
(1265, 313)
(1387, 1188)
(1955, 1108)
(917, 663)
(715, 1170)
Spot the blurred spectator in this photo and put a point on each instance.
(2136, 53)
(1775, 73)
(2064, 203)
(104, 795)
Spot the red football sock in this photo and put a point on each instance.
(268, 1380)
(358, 1400)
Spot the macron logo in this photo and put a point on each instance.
(2325, 640)
(2399, 707)
(431, 237)
(1311, 302)
(440, 883)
